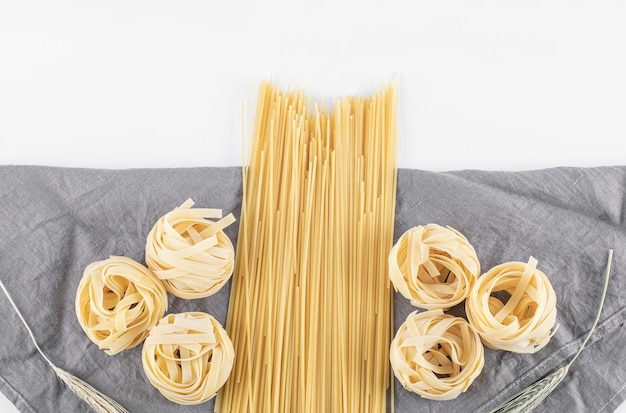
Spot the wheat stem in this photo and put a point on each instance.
(528, 399)
(100, 402)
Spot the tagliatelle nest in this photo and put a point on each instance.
(521, 319)
(436, 355)
(434, 267)
(189, 252)
(188, 357)
(118, 301)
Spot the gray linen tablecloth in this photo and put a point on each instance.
(55, 221)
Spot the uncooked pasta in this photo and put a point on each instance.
(434, 267)
(513, 307)
(436, 355)
(190, 252)
(118, 300)
(311, 302)
(188, 357)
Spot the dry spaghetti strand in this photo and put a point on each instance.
(311, 304)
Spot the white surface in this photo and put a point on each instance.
(483, 84)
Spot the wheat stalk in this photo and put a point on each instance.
(528, 399)
(100, 402)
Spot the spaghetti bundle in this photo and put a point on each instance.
(190, 252)
(433, 266)
(521, 319)
(117, 302)
(436, 355)
(311, 304)
(188, 357)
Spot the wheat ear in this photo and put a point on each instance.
(528, 399)
(100, 402)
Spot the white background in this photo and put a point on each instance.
(483, 84)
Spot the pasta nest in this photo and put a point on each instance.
(523, 322)
(188, 357)
(191, 253)
(436, 355)
(118, 301)
(434, 267)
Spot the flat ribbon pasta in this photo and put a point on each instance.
(433, 266)
(521, 324)
(188, 357)
(191, 253)
(118, 300)
(436, 355)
